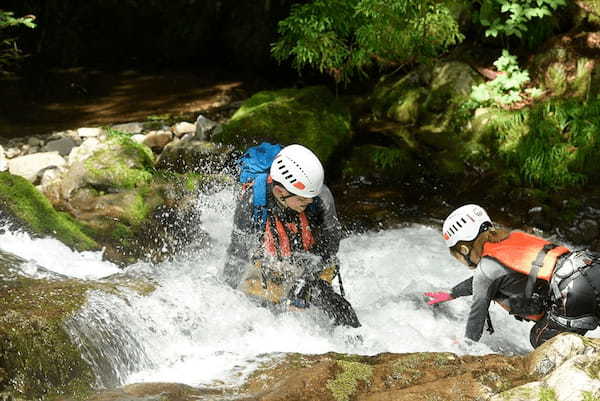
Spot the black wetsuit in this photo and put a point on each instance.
(492, 281)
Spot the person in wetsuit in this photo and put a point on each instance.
(285, 252)
(533, 279)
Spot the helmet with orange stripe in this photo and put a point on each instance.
(464, 224)
(299, 170)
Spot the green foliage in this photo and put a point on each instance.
(389, 158)
(552, 145)
(9, 51)
(511, 17)
(507, 88)
(556, 79)
(344, 38)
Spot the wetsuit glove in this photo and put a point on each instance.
(438, 297)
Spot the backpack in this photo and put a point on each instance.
(255, 165)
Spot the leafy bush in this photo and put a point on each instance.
(507, 88)
(9, 52)
(552, 145)
(344, 38)
(510, 17)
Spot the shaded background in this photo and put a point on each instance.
(106, 61)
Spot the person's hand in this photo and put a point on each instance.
(299, 293)
(438, 297)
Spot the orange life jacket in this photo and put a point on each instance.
(527, 254)
(520, 250)
(283, 246)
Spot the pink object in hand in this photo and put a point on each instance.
(437, 297)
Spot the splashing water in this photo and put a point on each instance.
(194, 329)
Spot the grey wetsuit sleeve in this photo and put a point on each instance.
(244, 241)
(329, 232)
(486, 280)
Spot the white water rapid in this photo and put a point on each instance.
(194, 329)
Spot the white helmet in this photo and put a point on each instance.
(298, 170)
(464, 224)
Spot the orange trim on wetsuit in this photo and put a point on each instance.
(518, 252)
(285, 248)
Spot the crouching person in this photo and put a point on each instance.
(286, 233)
(533, 279)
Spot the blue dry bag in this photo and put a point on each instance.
(255, 165)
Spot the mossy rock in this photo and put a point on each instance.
(38, 359)
(197, 156)
(124, 164)
(23, 201)
(310, 116)
(390, 89)
(407, 108)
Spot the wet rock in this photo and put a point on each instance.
(575, 378)
(138, 138)
(63, 146)
(455, 77)
(552, 354)
(34, 211)
(196, 156)
(204, 126)
(157, 140)
(29, 166)
(12, 152)
(85, 150)
(33, 141)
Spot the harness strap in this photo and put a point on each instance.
(490, 327)
(535, 267)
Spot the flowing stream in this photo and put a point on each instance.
(194, 329)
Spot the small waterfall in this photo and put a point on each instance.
(194, 329)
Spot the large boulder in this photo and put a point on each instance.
(197, 156)
(310, 116)
(38, 359)
(28, 205)
(113, 189)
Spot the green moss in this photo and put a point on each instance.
(139, 209)
(407, 370)
(109, 168)
(592, 369)
(589, 396)
(407, 108)
(131, 148)
(345, 383)
(36, 353)
(547, 394)
(27, 204)
(390, 89)
(311, 116)
(121, 232)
